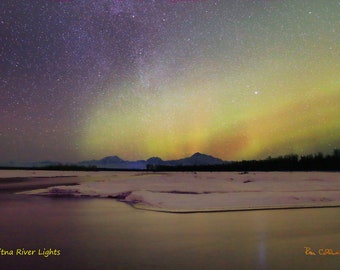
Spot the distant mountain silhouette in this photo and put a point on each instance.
(198, 159)
(111, 159)
(156, 161)
(114, 162)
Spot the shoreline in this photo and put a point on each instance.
(235, 209)
(27, 184)
(18, 184)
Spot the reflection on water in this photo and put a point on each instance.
(105, 234)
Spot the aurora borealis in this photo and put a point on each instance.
(235, 79)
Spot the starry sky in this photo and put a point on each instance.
(236, 79)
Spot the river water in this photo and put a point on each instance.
(106, 234)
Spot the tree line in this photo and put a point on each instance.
(291, 162)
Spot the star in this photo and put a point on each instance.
(82, 80)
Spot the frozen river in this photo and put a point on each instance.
(106, 234)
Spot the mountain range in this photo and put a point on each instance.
(115, 162)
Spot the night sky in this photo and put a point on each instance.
(243, 79)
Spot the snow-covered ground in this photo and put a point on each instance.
(205, 191)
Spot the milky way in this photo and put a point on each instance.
(233, 79)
